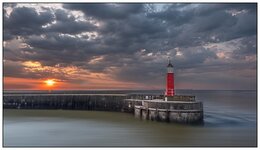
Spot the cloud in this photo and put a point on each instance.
(25, 21)
(196, 24)
(67, 24)
(129, 43)
(107, 11)
(13, 69)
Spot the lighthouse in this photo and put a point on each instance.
(169, 81)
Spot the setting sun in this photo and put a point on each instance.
(50, 82)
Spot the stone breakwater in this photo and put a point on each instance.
(104, 102)
(150, 107)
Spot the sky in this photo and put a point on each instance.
(90, 46)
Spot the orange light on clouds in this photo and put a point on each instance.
(66, 78)
(32, 64)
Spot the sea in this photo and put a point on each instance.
(230, 120)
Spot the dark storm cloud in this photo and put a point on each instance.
(11, 5)
(192, 57)
(247, 48)
(217, 20)
(174, 15)
(56, 42)
(13, 69)
(25, 21)
(228, 22)
(251, 7)
(126, 29)
(63, 49)
(68, 24)
(148, 71)
(201, 22)
(107, 11)
(8, 36)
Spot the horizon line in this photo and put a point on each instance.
(128, 89)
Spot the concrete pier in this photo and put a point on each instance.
(104, 102)
(100, 102)
(147, 107)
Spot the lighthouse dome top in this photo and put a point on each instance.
(169, 65)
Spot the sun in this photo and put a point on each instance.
(49, 82)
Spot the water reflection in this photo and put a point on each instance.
(229, 120)
(86, 128)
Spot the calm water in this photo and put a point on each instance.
(229, 116)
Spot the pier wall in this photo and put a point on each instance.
(143, 106)
(106, 102)
(71, 102)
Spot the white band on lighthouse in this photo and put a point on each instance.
(170, 70)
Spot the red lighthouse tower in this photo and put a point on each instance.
(170, 80)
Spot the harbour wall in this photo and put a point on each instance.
(99, 102)
(147, 107)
